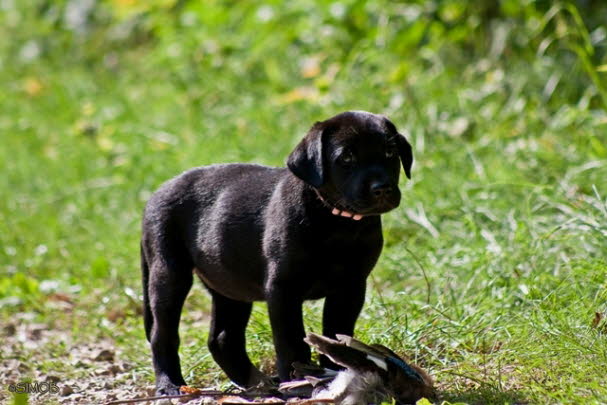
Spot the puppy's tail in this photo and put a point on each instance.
(148, 319)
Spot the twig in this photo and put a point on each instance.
(213, 393)
(378, 290)
(249, 402)
(311, 401)
(428, 284)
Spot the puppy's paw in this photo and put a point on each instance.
(168, 390)
(165, 387)
(258, 379)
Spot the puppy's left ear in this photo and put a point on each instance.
(404, 149)
(306, 159)
(405, 153)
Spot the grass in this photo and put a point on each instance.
(493, 271)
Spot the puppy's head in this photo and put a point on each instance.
(353, 160)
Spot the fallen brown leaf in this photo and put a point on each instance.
(103, 355)
(597, 319)
(189, 390)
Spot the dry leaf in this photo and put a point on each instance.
(598, 317)
(310, 67)
(189, 390)
(32, 86)
(231, 399)
(298, 94)
(103, 355)
(60, 297)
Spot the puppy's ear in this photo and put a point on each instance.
(405, 153)
(404, 149)
(306, 159)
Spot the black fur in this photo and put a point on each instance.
(255, 233)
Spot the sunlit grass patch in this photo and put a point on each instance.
(493, 271)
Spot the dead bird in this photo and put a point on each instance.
(309, 380)
(373, 373)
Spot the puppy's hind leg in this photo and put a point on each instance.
(168, 284)
(227, 340)
(148, 319)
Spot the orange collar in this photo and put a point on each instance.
(337, 212)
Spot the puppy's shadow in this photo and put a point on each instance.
(484, 394)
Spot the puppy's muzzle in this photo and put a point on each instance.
(384, 195)
(381, 190)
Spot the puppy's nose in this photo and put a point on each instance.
(380, 189)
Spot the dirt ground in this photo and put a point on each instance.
(90, 373)
(96, 372)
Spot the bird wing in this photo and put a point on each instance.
(382, 352)
(297, 388)
(303, 370)
(346, 356)
(375, 350)
(406, 382)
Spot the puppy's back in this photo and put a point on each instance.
(215, 215)
(203, 186)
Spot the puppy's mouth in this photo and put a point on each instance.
(378, 209)
(347, 214)
(343, 209)
(349, 210)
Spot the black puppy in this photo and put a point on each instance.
(281, 235)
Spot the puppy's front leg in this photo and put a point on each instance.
(340, 313)
(285, 308)
(342, 309)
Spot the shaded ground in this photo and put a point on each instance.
(101, 372)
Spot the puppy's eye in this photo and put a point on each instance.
(390, 152)
(346, 158)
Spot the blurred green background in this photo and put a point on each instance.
(493, 273)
